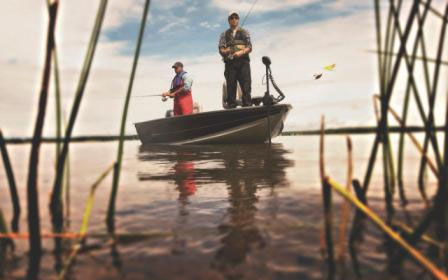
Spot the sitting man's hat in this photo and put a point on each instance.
(177, 64)
(233, 13)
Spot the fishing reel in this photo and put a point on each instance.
(164, 98)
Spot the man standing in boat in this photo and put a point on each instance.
(235, 46)
(181, 91)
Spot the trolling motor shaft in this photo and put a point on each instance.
(269, 99)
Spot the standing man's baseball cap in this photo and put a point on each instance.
(177, 64)
(233, 13)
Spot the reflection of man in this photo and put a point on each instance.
(181, 91)
(185, 178)
(234, 47)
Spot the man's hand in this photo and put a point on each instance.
(169, 94)
(225, 51)
(239, 53)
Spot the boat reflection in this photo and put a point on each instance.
(247, 171)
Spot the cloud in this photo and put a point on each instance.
(208, 25)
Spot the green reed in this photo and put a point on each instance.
(85, 221)
(12, 184)
(345, 209)
(413, 252)
(56, 209)
(389, 71)
(110, 219)
(328, 217)
(32, 189)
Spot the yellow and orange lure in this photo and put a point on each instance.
(330, 67)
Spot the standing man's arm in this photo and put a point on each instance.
(222, 46)
(188, 82)
(248, 48)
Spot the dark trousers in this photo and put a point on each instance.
(238, 70)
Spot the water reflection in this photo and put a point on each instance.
(245, 170)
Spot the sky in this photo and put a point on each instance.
(300, 37)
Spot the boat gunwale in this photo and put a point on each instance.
(289, 106)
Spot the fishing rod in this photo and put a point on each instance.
(248, 13)
(164, 98)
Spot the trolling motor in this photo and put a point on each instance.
(269, 99)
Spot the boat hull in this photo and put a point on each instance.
(239, 125)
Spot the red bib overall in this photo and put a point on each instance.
(183, 101)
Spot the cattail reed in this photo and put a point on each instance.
(326, 194)
(85, 222)
(56, 209)
(345, 210)
(32, 189)
(12, 184)
(110, 220)
(427, 264)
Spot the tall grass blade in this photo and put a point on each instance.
(414, 140)
(57, 85)
(345, 210)
(326, 194)
(55, 204)
(12, 184)
(32, 190)
(426, 263)
(110, 220)
(85, 221)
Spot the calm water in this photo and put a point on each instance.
(224, 212)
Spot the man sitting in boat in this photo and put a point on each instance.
(181, 91)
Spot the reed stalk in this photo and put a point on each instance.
(440, 197)
(417, 57)
(414, 141)
(428, 239)
(326, 194)
(57, 104)
(384, 81)
(422, 169)
(6, 241)
(323, 245)
(379, 46)
(56, 209)
(414, 253)
(419, 40)
(442, 229)
(411, 82)
(110, 220)
(382, 131)
(12, 184)
(65, 194)
(85, 222)
(322, 149)
(32, 189)
(356, 233)
(67, 187)
(345, 209)
(434, 11)
(388, 43)
(432, 96)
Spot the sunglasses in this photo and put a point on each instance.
(234, 18)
